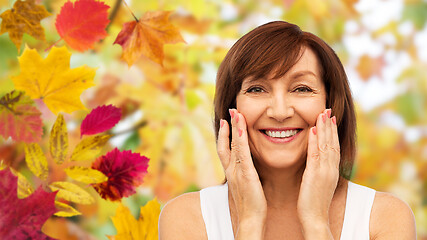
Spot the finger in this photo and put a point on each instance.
(321, 136)
(240, 143)
(328, 136)
(223, 144)
(335, 141)
(330, 153)
(328, 128)
(312, 149)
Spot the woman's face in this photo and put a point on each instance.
(280, 112)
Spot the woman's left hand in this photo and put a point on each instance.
(320, 177)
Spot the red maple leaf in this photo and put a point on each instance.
(23, 218)
(19, 119)
(100, 119)
(125, 171)
(83, 23)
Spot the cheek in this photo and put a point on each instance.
(250, 109)
(310, 110)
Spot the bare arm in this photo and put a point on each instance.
(391, 218)
(181, 218)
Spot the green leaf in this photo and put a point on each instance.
(412, 107)
(132, 142)
(417, 13)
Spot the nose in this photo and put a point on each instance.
(280, 108)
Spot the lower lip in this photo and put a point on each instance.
(281, 140)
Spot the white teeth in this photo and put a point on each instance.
(281, 134)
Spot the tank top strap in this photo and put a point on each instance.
(216, 212)
(357, 212)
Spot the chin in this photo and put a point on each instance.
(281, 160)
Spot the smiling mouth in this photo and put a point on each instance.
(281, 134)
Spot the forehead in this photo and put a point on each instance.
(307, 62)
(307, 65)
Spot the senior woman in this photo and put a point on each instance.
(285, 128)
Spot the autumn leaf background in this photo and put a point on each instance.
(162, 87)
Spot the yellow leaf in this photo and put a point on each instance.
(4, 3)
(2, 165)
(65, 210)
(58, 143)
(24, 17)
(36, 161)
(149, 219)
(86, 175)
(52, 80)
(89, 148)
(24, 187)
(145, 228)
(126, 224)
(318, 8)
(71, 192)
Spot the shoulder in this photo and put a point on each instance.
(181, 218)
(391, 218)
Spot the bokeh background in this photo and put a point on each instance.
(167, 111)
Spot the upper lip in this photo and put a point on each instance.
(279, 129)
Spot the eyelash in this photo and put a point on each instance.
(301, 89)
(250, 90)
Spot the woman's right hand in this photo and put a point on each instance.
(242, 177)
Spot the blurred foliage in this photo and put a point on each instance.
(168, 111)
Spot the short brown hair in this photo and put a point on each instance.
(278, 46)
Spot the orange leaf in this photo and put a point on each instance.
(83, 23)
(369, 66)
(191, 24)
(147, 37)
(19, 119)
(24, 17)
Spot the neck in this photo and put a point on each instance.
(281, 186)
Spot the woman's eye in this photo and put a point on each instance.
(303, 89)
(255, 90)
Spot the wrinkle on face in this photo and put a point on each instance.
(288, 91)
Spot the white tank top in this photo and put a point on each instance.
(216, 212)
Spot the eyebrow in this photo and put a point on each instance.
(293, 76)
(302, 74)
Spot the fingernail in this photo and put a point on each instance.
(334, 120)
(237, 118)
(231, 113)
(314, 130)
(324, 118)
(240, 132)
(221, 122)
(329, 112)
